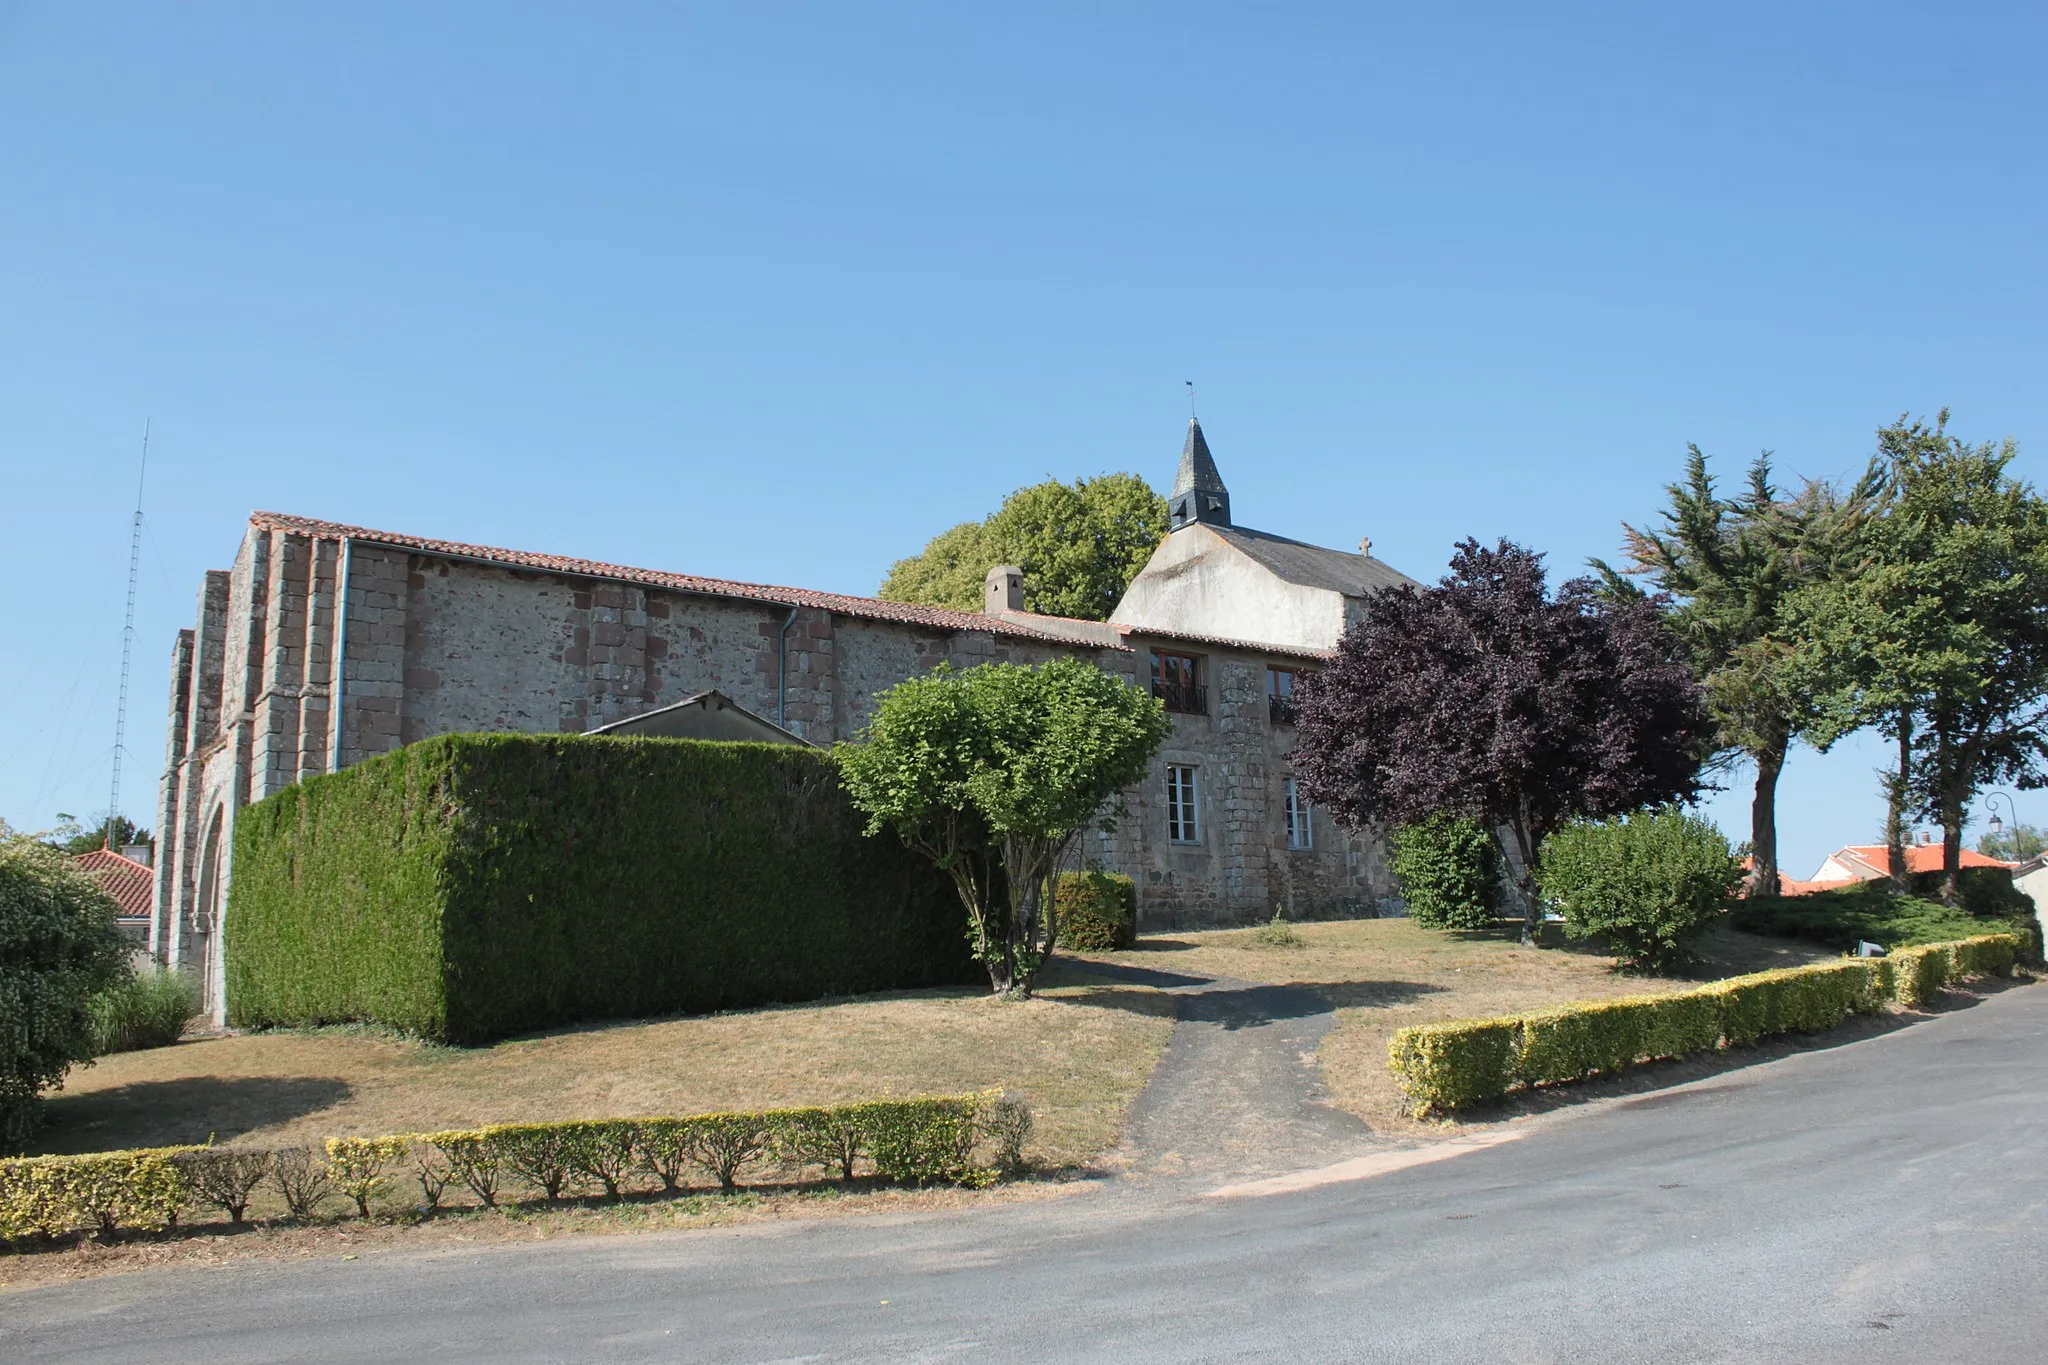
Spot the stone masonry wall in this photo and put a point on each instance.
(421, 644)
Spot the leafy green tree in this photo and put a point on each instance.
(1648, 883)
(2014, 845)
(950, 571)
(1079, 545)
(59, 947)
(1940, 638)
(992, 773)
(114, 831)
(1449, 871)
(1730, 564)
(1487, 696)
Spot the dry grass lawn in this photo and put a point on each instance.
(1384, 974)
(1078, 1054)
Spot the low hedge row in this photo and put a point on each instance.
(1446, 1067)
(960, 1139)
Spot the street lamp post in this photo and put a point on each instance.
(1991, 800)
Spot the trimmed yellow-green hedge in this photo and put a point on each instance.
(1446, 1067)
(1575, 1041)
(957, 1139)
(1459, 1065)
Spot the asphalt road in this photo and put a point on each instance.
(1874, 1201)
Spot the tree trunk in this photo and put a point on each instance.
(1896, 787)
(1024, 915)
(978, 894)
(1763, 822)
(1525, 880)
(1952, 802)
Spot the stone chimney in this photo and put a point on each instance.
(1003, 590)
(137, 852)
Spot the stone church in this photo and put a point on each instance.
(326, 644)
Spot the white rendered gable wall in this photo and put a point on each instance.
(1198, 583)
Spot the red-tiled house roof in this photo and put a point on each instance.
(1919, 858)
(870, 608)
(130, 883)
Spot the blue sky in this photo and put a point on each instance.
(777, 292)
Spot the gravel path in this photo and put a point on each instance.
(1238, 1091)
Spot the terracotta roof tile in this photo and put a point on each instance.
(1223, 642)
(868, 608)
(1919, 858)
(131, 884)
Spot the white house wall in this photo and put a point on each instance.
(1198, 583)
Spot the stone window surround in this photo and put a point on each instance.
(1183, 803)
(1300, 819)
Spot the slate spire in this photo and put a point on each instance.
(1198, 491)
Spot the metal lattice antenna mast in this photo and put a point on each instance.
(127, 644)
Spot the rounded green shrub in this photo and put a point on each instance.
(59, 947)
(1098, 910)
(1647, 883)
(1449, 871)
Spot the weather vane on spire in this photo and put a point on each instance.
(1191, 398)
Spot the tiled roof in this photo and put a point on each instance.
(1919, 858)
(1793, 886)
(1313, 566)
(1224, 642)
(869, 608)
(130, 883)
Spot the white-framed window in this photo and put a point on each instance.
(1183, 804)
(1300, 828)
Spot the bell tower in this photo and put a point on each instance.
(1198, 491)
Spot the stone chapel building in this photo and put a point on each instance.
(326, 644)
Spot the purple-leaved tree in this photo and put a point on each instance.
(1487, 697)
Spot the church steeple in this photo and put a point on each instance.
(1198, 491)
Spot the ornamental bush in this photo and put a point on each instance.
(1098, 911)
(1647, 883)
(1843, 916)
(59, 947)
(1449, 871)
(149, 1009)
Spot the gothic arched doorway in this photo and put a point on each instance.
(206, 919)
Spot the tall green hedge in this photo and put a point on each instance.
(474, 886)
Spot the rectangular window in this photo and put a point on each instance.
(1280, 695)
(1183, 813)
(1177, 681)
(1300, 833)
